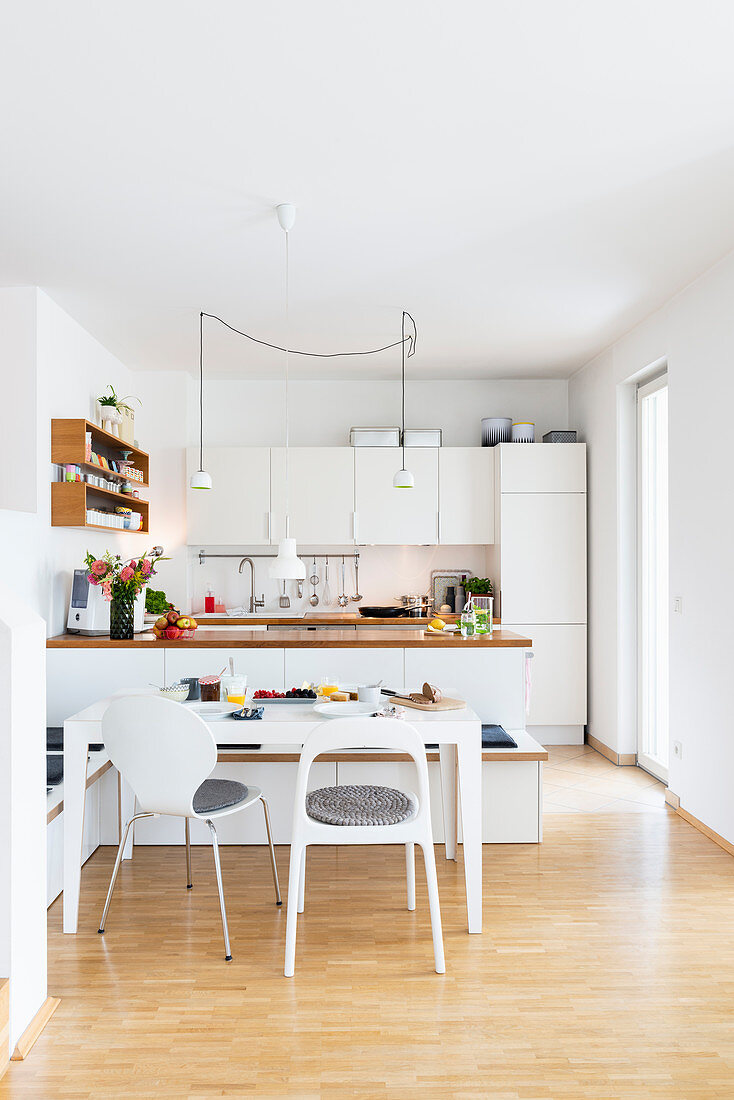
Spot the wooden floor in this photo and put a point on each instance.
(606, 970)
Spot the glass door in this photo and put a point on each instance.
(652, 573)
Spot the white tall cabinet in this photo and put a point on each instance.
(540, 511)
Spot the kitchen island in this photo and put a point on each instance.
(488, 672)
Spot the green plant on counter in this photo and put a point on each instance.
(156, 603)
(478, 586)
(113, 401)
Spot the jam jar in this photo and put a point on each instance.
(210, 687)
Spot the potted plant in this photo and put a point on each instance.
(121, 581)
(478, 586)
(113, 410)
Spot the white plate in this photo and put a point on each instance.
(343, 710)
(214, 712)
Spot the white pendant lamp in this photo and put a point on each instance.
(403, 478)
(287, 566)
(201, 479)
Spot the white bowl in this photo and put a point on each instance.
(178, 692)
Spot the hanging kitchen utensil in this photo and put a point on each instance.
(356, 597)
(314, 579)
(344, 598)
(327, 590)
(284, 600)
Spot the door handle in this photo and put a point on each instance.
(354, 526)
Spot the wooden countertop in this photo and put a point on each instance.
(326, 638)
(325, 618)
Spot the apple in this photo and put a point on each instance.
(161, 624)
(173, 632)
(184, 623)
(192, 623)
(172, 617)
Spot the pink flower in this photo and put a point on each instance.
(133, 565)
(127, 574)
(99, 568)
(93, 579)
(145, 567)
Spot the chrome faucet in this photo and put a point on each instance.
(254, 604)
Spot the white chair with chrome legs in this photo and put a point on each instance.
(362, 815)
(166, 753)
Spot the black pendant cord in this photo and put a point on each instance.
(201, 391)
(402, 342)
(411, 340)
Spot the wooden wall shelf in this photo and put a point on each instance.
(68, 445)
(70, 500)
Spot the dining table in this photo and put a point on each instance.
(458, 734)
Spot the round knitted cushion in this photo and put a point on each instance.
(353, 805)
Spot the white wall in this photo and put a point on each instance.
(22, 810)
(384, 573)
(70, 368)
(321, 413)
(694, 333)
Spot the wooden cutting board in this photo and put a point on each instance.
(445, 704)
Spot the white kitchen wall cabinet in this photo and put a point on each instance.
(542, 468)
(320, 497)
(466, 495)
(543, 557)
(236, 510)
(396, 517)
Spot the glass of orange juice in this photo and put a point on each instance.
(235, 687)
(328, 686)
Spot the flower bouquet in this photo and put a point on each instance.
(121, 581)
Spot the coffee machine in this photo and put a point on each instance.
(89, 611)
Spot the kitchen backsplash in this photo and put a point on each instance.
(385, 572)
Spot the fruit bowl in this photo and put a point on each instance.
(173, 626)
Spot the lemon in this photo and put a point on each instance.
(437, 624)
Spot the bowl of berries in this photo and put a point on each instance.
(303, 694)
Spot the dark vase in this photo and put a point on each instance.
(122, 618)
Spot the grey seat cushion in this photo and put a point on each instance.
(218, 794)
(358, 805)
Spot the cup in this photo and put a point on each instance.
(370, 693)
(234, 688)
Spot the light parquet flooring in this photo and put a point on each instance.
(606, 970)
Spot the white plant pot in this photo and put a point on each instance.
(110, 419)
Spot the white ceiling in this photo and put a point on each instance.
(528, 178)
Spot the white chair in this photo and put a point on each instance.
(166, 753)
(368, 809)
